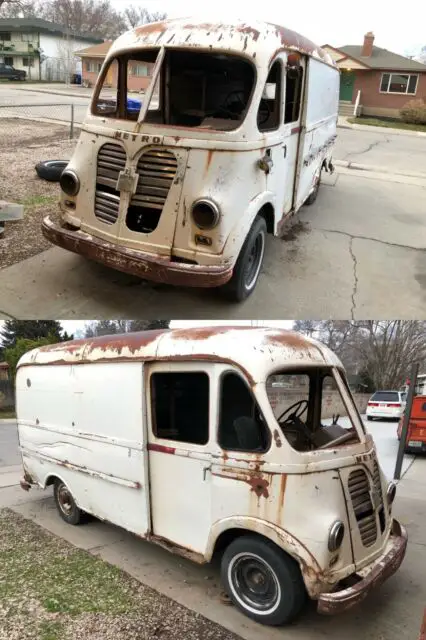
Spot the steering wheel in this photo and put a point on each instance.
(296, 410)
(226, 108)
(265, 108)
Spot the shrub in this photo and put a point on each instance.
(414, 112)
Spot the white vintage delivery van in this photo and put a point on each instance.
(244, 442)
(183, 184)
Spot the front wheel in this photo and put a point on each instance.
(65, 503)
(262, 581)
(249, 263)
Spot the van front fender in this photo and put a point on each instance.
(241, 228)
(313, 575)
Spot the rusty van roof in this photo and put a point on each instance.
(256, 351)
(256, 39)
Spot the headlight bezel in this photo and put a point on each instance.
(336, 535)
(391, 493)
(214, 209)
(72, 174)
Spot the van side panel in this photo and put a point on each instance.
(320, 125)
(84, 424)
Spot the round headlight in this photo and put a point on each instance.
(205, 214)
(335, 537)
(391, 492)
(69, 182)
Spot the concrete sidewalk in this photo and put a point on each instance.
(392, 612)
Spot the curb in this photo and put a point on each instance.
(377, 169)
(388, 130)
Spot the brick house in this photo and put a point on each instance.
(384, 81)
(139, 75)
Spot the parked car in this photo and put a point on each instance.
(190, 455)
(386, 404)
(416, 435)
(10, 73)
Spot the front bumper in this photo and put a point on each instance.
(373, 575)
(137, 263)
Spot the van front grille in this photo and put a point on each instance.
(107, 206)
(111, 160)
(359, 490)
(157, 169)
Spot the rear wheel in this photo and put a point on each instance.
(65, 503)
(249, 263)
(313, 196)
(262, 581)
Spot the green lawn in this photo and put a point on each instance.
(7, 413)
(389, 124)
(51, 590)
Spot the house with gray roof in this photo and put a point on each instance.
(375, 81)
(45, 50)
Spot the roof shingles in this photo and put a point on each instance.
(383, 59)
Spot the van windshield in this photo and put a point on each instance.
(208, 90)
(310, 409)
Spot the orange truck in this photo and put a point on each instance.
(416, 434)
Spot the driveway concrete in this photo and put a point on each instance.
(392, 612)
(357, 252)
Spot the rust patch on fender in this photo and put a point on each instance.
(177, 549)
(210, 153)
(283, 482)
(259, 486)
(247, 30)
(277, 438)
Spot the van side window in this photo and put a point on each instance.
(241, 425)
(269, 113)
(293, 93)
(180, 406)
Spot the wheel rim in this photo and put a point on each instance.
(254, 583)
(65, 500)
(254, 261)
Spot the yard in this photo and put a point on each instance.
(50, 590)
(388, 123)
(22, 145)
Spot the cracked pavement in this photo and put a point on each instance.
(358, 252)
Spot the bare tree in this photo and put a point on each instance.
(84, 16)
(135, 16)
(382, 352)
(111, 327)
(17, 8)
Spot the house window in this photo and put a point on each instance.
(5, 36)
(27, 62)
(241, 425)
(8, 60)
(399, 83)
(93, 67)
(180, 406)
(139, 70)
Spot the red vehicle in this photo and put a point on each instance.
(416, 435)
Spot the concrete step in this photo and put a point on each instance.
(346, 111)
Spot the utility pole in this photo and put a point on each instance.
(406, 422)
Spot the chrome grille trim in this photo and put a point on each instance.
(111, 160)
(359, 490)
(157, 170)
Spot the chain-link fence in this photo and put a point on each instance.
(21, 124)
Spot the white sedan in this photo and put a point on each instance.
(386, 404)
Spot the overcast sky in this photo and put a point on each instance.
(397, 27)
